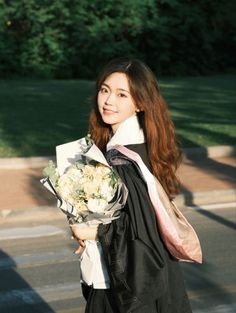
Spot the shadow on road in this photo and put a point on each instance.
(16, 295)
(217, 218)
(204, 292)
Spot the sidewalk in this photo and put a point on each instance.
(204, 181)
(208, 181)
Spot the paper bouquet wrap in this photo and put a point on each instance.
(87, 188)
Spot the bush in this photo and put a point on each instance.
(74, 38)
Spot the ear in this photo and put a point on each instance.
(139, 110)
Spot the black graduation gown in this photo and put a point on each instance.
(144, 277)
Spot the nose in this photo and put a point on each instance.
(110, 100)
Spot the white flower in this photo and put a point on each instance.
(74, 173)
(81, 206)
(97, 205)
(88, 170)
(90, 188)
(106, 191)
(102, 170)
(65, 186)
(87, 187)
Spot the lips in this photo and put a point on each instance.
(108, 111)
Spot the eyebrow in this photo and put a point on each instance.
(104, 84)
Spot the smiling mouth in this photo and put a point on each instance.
(107, 111)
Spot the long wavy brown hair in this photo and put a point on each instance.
(163, 151)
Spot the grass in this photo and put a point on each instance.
(35, 116)
(203, 109)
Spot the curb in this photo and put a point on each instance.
(205, 197)
(20, 163)
(209, 152)
(189, 153)
(196, 199)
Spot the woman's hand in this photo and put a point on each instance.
(81, 247)
(81, 233)
(84, 232)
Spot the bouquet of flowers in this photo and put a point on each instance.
(87, 188)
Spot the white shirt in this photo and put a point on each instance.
(129, 132)
(92, 263)
(92, 266)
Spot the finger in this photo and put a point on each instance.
(75, 238)
(79, 250)
(81, 242)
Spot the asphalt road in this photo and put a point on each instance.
(40, 274)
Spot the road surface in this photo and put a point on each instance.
(40, 274)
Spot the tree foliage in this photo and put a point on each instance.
(74, 38)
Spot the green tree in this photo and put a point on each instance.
(74, 38)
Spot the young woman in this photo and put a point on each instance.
(139, 273)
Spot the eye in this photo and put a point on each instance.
(103, 90)
(122, 95)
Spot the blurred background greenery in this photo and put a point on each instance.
(51, 52)
(74, 38)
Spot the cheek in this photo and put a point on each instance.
(99, 102)
(132, 109)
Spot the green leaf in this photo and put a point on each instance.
(51, 172)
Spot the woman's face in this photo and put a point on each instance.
(115, 103)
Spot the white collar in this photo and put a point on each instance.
(129, 132)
